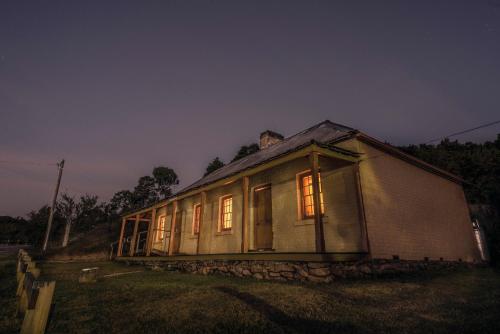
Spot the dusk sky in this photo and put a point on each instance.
(119, 87)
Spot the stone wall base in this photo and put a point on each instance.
(321, 272)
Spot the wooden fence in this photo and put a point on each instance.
(34, 295)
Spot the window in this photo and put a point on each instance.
(161, 228)
(307, 195)
(196, 218)
(226, 213)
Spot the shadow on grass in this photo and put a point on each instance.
(286, 322)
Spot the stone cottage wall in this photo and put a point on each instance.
(320, 272)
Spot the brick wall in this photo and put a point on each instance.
(413, 213)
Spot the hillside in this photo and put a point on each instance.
(90, 245)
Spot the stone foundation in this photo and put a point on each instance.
(321, 272)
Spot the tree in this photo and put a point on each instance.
(89, 213)
(38, 223)
(145, 192)
(67, 209)
(149, 189)
(246, 150)
(14, 230)
(121, 201)
(165, 178)
(213, 166)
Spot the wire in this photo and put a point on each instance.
(27, 163)
(430, 141)
(464, 131)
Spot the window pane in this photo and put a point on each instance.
(161, 228)
(227, 213)
(307, 196)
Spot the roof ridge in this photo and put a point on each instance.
(315, 126)
(287, 138)
(239, 161)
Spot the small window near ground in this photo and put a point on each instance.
(196, 218)
(307, 195)
(226, 213)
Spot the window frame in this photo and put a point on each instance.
(195, 227)
(160, 233)
(301, 198)
(222, 199)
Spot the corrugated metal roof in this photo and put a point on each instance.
(323, 133)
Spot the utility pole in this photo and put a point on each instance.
(52, 208)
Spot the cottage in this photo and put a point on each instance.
(328, 193)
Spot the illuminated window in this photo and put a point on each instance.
(226, 213)
(196, 218)
(161, 228)
(307, 195)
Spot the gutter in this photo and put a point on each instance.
(307, 147)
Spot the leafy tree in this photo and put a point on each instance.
(120, 202)
(67, 209)
(89, 213)
(14, 230)
(38, 224)
(213, 166)
(246, 150)
(149, 189)
(165, 178)
(145, 192)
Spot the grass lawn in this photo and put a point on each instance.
(164, 302)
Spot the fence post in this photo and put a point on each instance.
(35, 320)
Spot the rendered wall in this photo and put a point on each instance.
(213, 241)
(188, 238)
(291, 233)
(162, 245)
(343, 225)
(413, 213)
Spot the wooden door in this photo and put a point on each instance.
(263, 218)
(177, 232)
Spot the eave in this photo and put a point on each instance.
(298, 152)
(389, 149)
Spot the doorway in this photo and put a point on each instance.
(263, 218)
(177, 233)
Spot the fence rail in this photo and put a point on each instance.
(34, 295)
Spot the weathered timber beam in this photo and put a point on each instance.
(203, 199)
(151, 234)
(318, 217)
(245, 215)
(120, 242)
(304, 152)
(172, 230)
(134, 236)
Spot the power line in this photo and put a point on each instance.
(448, 136)
(464, 131)
(60, 166)
(27, 163)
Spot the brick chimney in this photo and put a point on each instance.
(268, 138)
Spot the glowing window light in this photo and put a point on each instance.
(308, 196)
(227, 213)
(161, 228)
